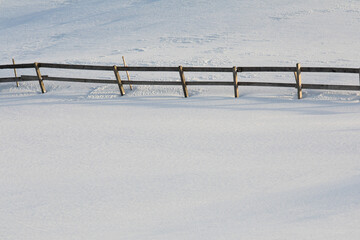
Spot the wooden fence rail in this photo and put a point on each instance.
(297, 70)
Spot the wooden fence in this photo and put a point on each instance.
(297, 70)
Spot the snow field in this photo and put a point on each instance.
(81, 162)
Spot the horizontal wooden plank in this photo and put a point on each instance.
(148, 69)
(9, 79)
(12, 66)
(266, 84)
(331, 87)
(84, 80)
(30, 77)
(207, 69)
(76, 66)
(175, 69)
(266, 69)
(186, 69)
(169, 83)
(22, 78)
(330, 69)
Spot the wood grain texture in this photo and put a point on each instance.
(236, 86)
(118, 79)
(15, 73)
(298, 80)
(127, 73)
(41, 82)
(183, 82)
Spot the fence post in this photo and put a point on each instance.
(127, 73)
(182, 76)
(43, 90)
(298, 80)
(117, 75)
(15, 73)
(236, 88)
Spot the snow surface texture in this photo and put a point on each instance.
(81, 162)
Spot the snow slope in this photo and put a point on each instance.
(81, 162)
(182, 32)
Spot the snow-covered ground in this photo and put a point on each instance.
(81, 162)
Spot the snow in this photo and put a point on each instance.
(81, 162)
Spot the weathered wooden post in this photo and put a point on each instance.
(298, 80)
(236, 88)
(117, 75)
(43, 90)
(15, 73)
(127, 73)
(183, 82)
